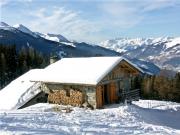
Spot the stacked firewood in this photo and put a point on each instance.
(73, 97)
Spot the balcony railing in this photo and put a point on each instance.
(131, 95)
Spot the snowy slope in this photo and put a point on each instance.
(5, 26)
(163, 51)
(19, 91)
(113, 120)
(53, 37)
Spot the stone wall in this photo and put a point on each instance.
(91, 96)
(76, 95)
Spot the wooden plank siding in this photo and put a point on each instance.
(99, 96)
(113, 92)
(122, 70)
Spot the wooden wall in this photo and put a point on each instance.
(113, 92)
(123, 72)
(99, 96)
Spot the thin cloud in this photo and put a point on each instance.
(122, 14)
(6, 2)
(153, 5)
(61, 20)
(127, 14)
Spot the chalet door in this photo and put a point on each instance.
(106, 95)
(120, 90)
(113, 94)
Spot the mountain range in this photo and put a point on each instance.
(21, 36)
(163, 51)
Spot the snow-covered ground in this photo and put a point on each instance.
(142, 117)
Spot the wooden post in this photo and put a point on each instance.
(99, 96)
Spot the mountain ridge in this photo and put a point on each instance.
(163, 51)
(22, 36)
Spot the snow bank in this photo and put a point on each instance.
(155, 104)
(19, 91)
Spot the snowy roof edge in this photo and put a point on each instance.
(99, 78)
(115, 64)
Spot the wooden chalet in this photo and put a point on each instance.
(90, 81)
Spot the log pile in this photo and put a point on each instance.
(74, 98)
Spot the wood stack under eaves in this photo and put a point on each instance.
(67, 97)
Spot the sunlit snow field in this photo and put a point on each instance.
(142, 117)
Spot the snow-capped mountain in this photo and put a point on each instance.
(123, 45)
(5, 26)
(25, 30)
(163, 51)
(53, 37)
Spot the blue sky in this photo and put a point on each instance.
(95, 20)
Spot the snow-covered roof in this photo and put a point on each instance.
(89, 70)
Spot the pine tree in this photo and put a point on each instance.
(2, 70)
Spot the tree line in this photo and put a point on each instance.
(14, 63)
(159, 87)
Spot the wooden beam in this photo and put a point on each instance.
(110, 81)
(47, 82)
(129, 66)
